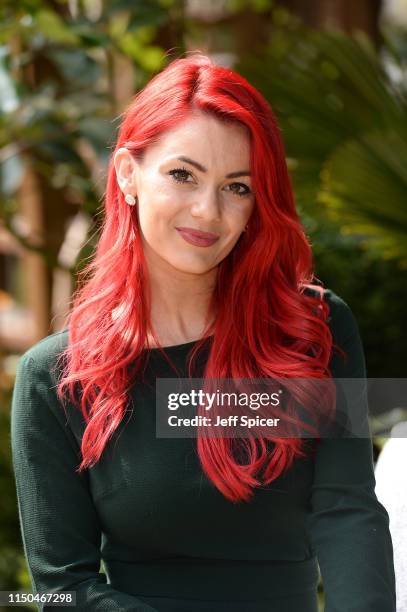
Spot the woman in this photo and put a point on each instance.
(202, 266)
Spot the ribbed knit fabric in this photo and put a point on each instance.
(168, 539)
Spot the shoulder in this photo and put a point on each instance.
(349, 361)
(36, 412)
(341, 318)
(42, 356)
(34, 395)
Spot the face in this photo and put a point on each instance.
(194, 179)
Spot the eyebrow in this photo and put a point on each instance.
(203, 169)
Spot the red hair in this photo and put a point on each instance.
(265, 324)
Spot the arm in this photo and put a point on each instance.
(347, 525)
(59, 523)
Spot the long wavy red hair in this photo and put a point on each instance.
(265, 324)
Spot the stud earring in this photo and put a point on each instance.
(246, 227)
(131, 200)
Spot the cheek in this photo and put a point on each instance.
(156, 209)
(237, 214)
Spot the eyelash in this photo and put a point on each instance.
(175, 170)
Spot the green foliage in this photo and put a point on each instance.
(344, 124)
(62, 67)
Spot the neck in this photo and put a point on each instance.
(179, 304)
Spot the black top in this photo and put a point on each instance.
(168, 538)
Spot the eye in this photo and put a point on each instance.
(182, 171)
(241, 193)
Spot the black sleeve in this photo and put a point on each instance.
(59, 523)
(347, 525)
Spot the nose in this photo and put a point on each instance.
(207, 207)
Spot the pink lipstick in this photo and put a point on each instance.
(196, 237)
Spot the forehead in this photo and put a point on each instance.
(203, 137)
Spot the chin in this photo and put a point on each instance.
(192, 268)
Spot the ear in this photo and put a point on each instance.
(126, 170)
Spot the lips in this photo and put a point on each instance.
(198, 233)
(197, 237)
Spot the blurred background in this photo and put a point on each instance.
(335, 74)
